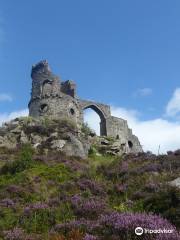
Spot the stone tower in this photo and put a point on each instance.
(53, 98)
(50, 96)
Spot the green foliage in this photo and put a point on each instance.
(165, 202)
(110, 139)
(63, 213)
(86, 129)
(26, 120)
(139, 206)
(23, 162)
(59, 123)
(8, 179)
(38, 221)
(8, 218)
(58, 173)
(121, 208)
(92, 151)
(101, 160)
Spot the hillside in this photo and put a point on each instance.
(48, 193)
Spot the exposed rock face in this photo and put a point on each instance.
(43, 134)
(53, 98)
(61, 135)
(111, 146)
(175, 182)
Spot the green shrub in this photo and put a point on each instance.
(23, 162)
(86, 129)
(37, 221)
(92, 151)
(59, 123)
(8, 219)
(165, 202)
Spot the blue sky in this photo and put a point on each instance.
(123, 53)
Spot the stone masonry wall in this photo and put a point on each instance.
(50, 97)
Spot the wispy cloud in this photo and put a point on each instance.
(143, 92)
(5, 117)
(4, 97)
(173, 106)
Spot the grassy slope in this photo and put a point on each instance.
(126, 184)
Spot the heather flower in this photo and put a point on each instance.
(90, 207)
(94, 187)
(153, 167)
(35, 207)
(125, 223)
(7, 202)
(89, 237)
(121, 225)
(14, 234)
(14, 189)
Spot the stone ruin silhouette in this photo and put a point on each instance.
(54, 98)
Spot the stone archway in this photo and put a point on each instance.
(103, 128)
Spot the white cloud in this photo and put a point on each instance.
(142, 92)
(5, 117)
(151, 133)
(173, 106)
(4, 97)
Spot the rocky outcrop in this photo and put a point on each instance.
(60, 135)
(45, 134)
(111, 146)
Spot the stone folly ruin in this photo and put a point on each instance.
(52, 97)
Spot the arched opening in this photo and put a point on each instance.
(94, 117)
(130, 144)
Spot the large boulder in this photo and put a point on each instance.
(175, 182)
(74, 147)
(58, 144)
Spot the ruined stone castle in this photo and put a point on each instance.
(55, 98)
